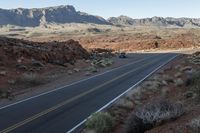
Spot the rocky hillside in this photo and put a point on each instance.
(21, 52)
(38, 16)
(155, 21)
(25, 64)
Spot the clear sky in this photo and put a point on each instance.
(108, 8)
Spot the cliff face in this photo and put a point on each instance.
(37, 16)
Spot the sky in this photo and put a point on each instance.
(114, 8)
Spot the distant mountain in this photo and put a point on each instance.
(37, 16)
(68, 14)
(155, 21)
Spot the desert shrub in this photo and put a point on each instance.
(124, 103)
(194, 125)
(158, 112)
(100, 122)
(6, 94)
(153, 114)
(30, 79)
(102, 62)
(136, 125)
(92, 69)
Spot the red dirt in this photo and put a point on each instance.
(20, 56)
(139, 42)
(130, 42)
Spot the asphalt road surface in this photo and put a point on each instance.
(65, 109)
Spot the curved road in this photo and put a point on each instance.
(65, 109)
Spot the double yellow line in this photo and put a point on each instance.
(15, 126)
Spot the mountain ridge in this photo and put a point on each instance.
(67, 14)
(155, 21)
(37, 16)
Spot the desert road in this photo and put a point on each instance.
(65, 109)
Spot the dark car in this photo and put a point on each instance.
(123, 55)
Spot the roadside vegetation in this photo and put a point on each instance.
(100, 58)
(153, 114)
(30, 79)
(167, 102)
(100, 122)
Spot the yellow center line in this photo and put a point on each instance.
(11, 128)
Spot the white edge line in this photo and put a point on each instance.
(60, 88)
(111, 102)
